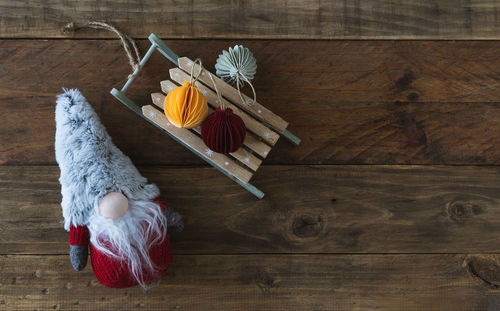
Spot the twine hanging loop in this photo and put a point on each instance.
(127, 42)
(191, 80)
(238, 82)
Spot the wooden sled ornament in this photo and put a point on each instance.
(263, 126)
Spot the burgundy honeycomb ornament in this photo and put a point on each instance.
(223, 131)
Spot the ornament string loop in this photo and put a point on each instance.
(222, 104)
(219, 96)
(199, 73)
(127, 42)
(244, 78)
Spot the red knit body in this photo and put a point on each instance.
(114, 273)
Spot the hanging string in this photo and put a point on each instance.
(222, 104)
(238, 82)
(244, 78)
(127, 42)
(219, 96)
(192, 70)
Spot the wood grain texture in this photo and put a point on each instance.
(284, 19)
(264, 282)
(325, 237)
(356, 102)
(307, 209)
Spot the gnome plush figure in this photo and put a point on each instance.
(107, 205)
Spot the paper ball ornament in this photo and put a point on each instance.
(223, 131)
(185, 106)
(237, 60)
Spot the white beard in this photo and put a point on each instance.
(130, 237)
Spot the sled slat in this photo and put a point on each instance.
(195, 143)
(241, 154)
(266, 133)
(257, 110)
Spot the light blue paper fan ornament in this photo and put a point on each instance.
(236, 65)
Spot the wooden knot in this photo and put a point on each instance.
(265, 281)
(306, 226)
(404, 83)
(485, 269)
(69, 28)
(460, 211)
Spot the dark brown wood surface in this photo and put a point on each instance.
(307, 209)
(287, 19)
(391, 202)
(356, 102)
(265, 282)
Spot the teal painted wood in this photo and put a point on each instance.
(164, 49)
(292, 138)
(126, 101)
(156, 44)
(141, 64)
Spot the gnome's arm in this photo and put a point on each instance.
(78, 246)
(174, 220)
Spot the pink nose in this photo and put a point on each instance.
(113, 205)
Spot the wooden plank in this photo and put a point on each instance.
(375, 102)
(267, 134)
(340, 71)
(241, 154)
(195, 143)
(291, 19)
(257, 110)
(409, 282)
(307, 209)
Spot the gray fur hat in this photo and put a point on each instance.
(91, 165)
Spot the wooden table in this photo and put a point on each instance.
(391, 202)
